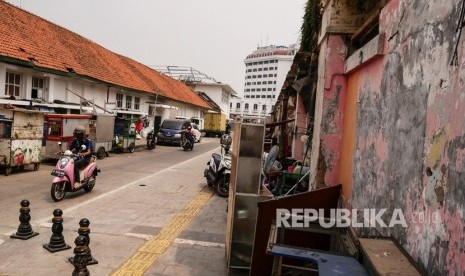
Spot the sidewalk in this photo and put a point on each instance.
(127, 219)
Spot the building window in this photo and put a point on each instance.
(261, 62)
(270, 75)
(255, 106)
(224, 97)
(119, 100)
(12, 84)
(247, 96)
(275, 75)
(264, 107)
(276, 68)
(238, 105)
(268, 96)
(246, 106)
(263, 96)
(265, 62)
(269, 89)
(274, 82)
(253, 96)
(259, 76)
(271, 68)
(255, 70)
(274, 96)
(253, 89)
(37, 88)
(230, 105)
(260, 69)
(136, 103)
(128, 102)
(254, 77)
(265, 69)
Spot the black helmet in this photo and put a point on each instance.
(79, 132)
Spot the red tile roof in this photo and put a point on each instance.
(28, 38)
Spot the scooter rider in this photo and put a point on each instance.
(84, 157)
(190, 135)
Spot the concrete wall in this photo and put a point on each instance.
(409, 145)
(329, 111)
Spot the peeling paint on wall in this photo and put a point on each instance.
(410, 138)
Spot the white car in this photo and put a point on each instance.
(196, 131)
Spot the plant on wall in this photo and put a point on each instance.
(311, 25)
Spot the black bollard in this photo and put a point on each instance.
(24, 229)
(57, 241)
(80, 257)
(84, 231)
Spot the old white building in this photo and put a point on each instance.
(266, 70)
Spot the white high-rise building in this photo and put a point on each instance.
(265, 71)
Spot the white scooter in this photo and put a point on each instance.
(218, 172)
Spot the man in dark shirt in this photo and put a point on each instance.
(76, 146)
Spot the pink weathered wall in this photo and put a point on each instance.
(300, 129)
(333, 93)
(410, 137)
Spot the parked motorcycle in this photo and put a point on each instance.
(187, 143)
(218, 173)
(64, 174)
(151, 140)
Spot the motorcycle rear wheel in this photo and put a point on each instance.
(151, 144)
(90, 186)
(222, 186)
(58, 190)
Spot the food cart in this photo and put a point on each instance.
(21, 133)
(125, 135)
(60, 128)
(101, 128)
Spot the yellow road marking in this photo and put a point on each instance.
(156, 246)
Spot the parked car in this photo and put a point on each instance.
(170, 131)
(198, 135)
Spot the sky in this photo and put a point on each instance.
(212, 36)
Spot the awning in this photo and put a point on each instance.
(131, 112)
(279, 123)
(51, 105)
(163, 106)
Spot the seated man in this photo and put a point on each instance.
(79, 140)
(190, 135)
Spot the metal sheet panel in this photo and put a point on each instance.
(248, 179)
(25, 152)
(27, 125)
(5, 145)
(52, 148)
(69, 124)
(104, 128)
